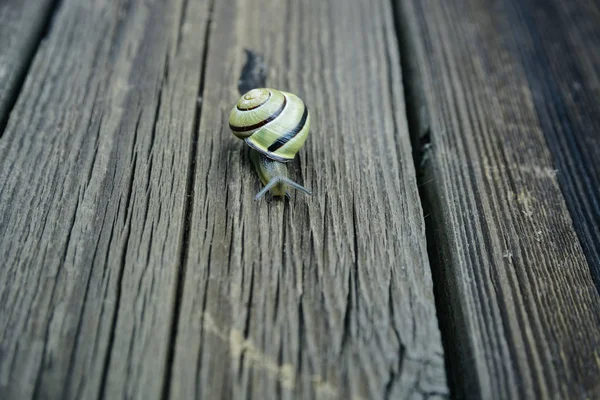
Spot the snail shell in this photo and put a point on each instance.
(272, 122)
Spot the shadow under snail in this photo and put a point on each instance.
(275, 125)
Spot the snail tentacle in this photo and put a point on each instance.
(274, 181)
(296, 186)
(281, 179)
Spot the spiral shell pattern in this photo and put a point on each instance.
(272, 122)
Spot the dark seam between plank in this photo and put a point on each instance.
(188, 211)
(15, 89)
(420, 136)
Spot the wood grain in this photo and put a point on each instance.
(107, 156)
(93, 183)
(558, 44)
(322, 297)
(520, 312)
(22, 24)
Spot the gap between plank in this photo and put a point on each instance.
(188, 209)
(420, 136)
(21, 74)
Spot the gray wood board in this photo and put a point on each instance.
(22, 24)
(559, 44)
(103, 162)
(322, 297)
(93, 182)
(518, 307)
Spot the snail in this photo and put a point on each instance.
(275, 125)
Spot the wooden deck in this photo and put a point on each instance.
(450, 249)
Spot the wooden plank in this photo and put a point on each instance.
(93, 183)
(521, 314)
(322, 297)
(22, 23)
(559, 46)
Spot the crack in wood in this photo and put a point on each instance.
(189, 206)
(38, 381)
(119, 283)
(254, 72)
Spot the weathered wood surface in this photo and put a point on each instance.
(93, 183)
(560, 51)
(506, 92)
(136, 265)
(22, 23)
(135, 262)
(322, 297)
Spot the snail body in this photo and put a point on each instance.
(275, 125)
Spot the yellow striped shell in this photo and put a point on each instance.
(272, 122)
